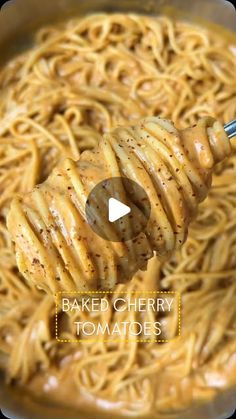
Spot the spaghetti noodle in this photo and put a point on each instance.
(79, 81)
(56, 248)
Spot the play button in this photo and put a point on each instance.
(118, 209)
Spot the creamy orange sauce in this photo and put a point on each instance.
(56, 386)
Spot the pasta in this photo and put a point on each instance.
(55, 246)
(81, 80)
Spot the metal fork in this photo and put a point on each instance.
(230, 129)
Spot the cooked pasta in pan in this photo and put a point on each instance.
(80, 80)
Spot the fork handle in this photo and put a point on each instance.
(230, 129)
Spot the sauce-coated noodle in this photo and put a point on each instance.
(55, 246)
(79, 81)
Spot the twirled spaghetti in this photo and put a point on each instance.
(55, 246)
(80, 80)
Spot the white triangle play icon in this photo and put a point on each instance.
(116, 210)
